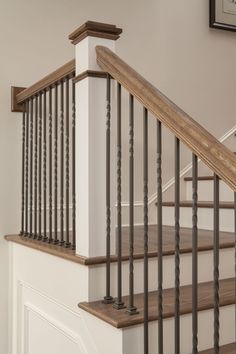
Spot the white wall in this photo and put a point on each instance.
(169, 42)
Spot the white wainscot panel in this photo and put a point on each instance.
(43, 334)
(46, 326)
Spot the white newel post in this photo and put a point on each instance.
(91, 137)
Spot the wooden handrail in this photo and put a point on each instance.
(213, 153)
(51, 79)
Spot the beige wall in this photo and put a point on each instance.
(193, 65)
(169, 42)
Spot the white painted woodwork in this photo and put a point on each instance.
(91, 152)
(44, 314)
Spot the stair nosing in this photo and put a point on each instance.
(70, 255)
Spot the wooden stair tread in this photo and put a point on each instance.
(120, 319)
(205, 204)
(205, 243)
(225, 349)
(205, 240)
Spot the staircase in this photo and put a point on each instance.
(205, 277)
(81, 279)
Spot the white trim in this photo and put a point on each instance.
(21, 285)
(228, 134)
(126, 204)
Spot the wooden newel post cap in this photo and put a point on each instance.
(95, 29)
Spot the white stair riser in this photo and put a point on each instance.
(205, 268)
(133, 337)
(205, 191)
(205, 218)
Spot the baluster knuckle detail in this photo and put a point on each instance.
(22, 232)
(45, 166)
(73, 170)
(31, 168)
(35, 167)
(40, 168)
(27, 168)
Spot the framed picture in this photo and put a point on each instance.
(223, 14)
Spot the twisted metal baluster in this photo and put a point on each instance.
(195, 257)
(145, 221)
(31, 168)
(68, 243)
(216, 265)
(159, 237)
(119, 304)
(55, 162)
(62, 165)
(22, 232)
(40, 169)
(45, 165)
(50, 239)
(73, 170)
(35, 167)
(27, 170)
(108, 299)
(177, 246)
(132, 310)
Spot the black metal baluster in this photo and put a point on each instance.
(68, 243)
(145, 221)
(62, 164)
(132, 310)
(195, 257)
(40, 169)
(177, 244)
(159, 238)
(55, 161)
(31, 167)
(27, 169)
(108, 299)
(73, 170)
(23, 173)
(45, 165)
(216, 264)
(35, 167)
(50, 239)
(119, 304)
